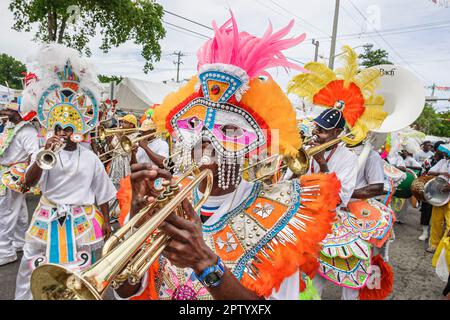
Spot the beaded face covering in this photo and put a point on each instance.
(219, 118)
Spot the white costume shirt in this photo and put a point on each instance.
(80, 179)
(422, 156)
(289, 288)
(344, 163)
(411, 162)
(396, 161)
(372, 172)
(24, 144)
(158, 146)
(443, 166)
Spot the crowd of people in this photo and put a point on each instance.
(323, 217)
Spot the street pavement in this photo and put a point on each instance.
(414, 277)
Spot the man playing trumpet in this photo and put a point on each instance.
(248, 240)
(67, 226)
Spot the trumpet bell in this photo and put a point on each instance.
(55, 282)
(46, 159)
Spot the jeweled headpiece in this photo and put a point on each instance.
(67, 95)
(233, 88)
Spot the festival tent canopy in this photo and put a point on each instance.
(135, 95)
(7, 94)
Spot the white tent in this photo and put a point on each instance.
(7, 94)
(135, 95)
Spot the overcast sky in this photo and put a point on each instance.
(414, 32)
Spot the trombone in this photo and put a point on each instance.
(123, 259)
(103, 133)
(126, 145)
(299, 165)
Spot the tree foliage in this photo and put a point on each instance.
(107, 79)
(372, 57)
(11, 71)
(74, 22)
(433, 123)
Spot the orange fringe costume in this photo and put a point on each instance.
(275, 230)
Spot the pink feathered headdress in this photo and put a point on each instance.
(252, 54)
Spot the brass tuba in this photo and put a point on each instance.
(124, 259)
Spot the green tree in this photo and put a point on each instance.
(107, 79)
(433, 123)
(11, 71)
(372, 57)
(74, 22)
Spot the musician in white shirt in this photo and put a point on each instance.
(67, 226)
(19, 141)
(337, 159)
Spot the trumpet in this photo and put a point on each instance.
(46, 159)
(126, 145)
(299, 165)
(123, 259)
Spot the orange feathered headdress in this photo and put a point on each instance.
(349, 88)
(232, 86)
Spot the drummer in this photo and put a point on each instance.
(440, 215)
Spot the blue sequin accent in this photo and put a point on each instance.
(233, 82)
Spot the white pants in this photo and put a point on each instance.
(347, 293)
(13, 224)
(30, 250)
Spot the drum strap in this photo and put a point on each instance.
(327, 159)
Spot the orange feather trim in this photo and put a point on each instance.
(351, 95)
(124, 197)
(386, 282)
(302, 253)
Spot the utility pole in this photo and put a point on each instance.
(334, 36)
(316, 51)
(179, 54)
(433, 87)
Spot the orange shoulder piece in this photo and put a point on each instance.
(296, 231)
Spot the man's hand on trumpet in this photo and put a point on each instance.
(53, 142)
(143, 176)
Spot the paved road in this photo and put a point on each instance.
(414, 276)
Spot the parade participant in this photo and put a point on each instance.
(410, 162)
(17, 143)
(120, 164)
(154, 151)
(254, 238)
(67, 226)
(440, 215)
(346, 255)
(426, 208)
(425, 153)
(396, 160)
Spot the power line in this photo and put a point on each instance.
(388, 44)
(281, 14)
(186, 29)
(190, 20)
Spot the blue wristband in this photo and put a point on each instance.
(212, 276)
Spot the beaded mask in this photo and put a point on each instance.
(233, 102)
